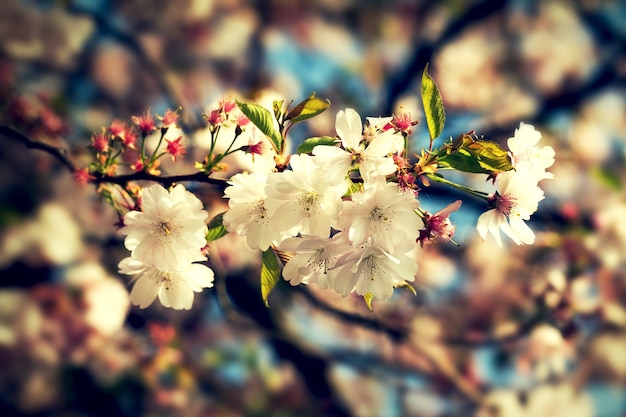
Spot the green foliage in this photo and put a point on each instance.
(310, 107)
(270, 273)
(216, 228)
(477, 156)
(608, 178)
(262, 119)
(433, 105)
(308, 144)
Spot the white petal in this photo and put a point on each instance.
(349, 128)
(177, 295)
(145, 290)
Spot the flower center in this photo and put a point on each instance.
(164, 231)
(504, 204)
(381, 218)
(309, 203)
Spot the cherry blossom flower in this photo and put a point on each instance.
(438, 226)
(175, 289)
(369, 269)
(248, 215)
(515, 201)
(169, 119)
(312, 261)
(383, 213)
(145, 122)
(528, 157)
(82, 176)
(100, 142)
(175, 148)
(170, 231)
(302, 199)
(372, 160)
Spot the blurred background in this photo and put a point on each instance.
(519, 331)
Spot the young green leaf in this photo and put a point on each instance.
(310, 107)
(270, 273)
(262, 119)
(469, 155)
(308, 144)
(216, 228)
(433, 105)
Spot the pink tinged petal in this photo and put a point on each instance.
(176, 294)
(145, 290)
(349, 128)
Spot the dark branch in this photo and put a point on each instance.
(99, 178)
(397, 334)
(59, 154)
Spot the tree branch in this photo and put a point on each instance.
(59, 154)
(99, 178)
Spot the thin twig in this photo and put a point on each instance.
(99, 178)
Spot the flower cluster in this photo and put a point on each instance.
(166, 240)
(347, 235)
(348, 211)
(342, 211)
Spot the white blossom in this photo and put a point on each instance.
(369, 269)
(381, 212)
(515, 201)
(526, 156)
(175, 289)
(249, 215)
(169, 232)
(312, 261)
(301, 199)
(372, 160)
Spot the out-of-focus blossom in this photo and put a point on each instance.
(559, 400)
(52, 236)
(105, 298)
(175, 289)
(170, 231)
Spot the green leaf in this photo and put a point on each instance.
(607, 178)
(270, 273)
(262, 119)
(308, 144)
(433, 105)
(354, 187)
(216, 228)
(310, 107)
(477, 156)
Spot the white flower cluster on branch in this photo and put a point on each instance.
(342, 211)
